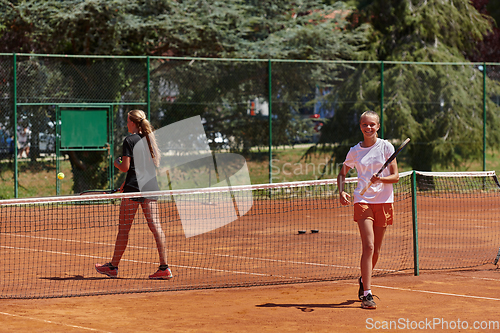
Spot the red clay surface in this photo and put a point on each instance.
(61, 246)
(437, 301)
(52, 255)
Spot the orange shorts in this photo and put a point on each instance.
(381, 214)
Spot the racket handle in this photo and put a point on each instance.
(366, 188)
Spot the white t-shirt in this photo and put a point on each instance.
(23, 137)
(367, 162)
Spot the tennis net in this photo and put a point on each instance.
(291, 233)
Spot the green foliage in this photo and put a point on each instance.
(493, 8)
(219, 93)
(250, 29)
(299, 30)
(434, 105)
(438, 106)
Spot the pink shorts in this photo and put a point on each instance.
(381, 214)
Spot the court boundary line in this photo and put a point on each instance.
(136, 261)
(475, 277)
(53, 322)
(340, 282)
(438, 293)
(180, 251)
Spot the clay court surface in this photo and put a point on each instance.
(46, 258)
(454, 298)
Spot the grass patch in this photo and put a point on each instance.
(35, 179)
(38, 179)
(291, 164)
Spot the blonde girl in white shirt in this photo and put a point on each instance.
(373, 211)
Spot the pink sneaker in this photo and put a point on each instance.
(166, 274)
(107, 269)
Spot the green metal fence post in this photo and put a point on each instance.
(484, 116)
(381, 99)
(416, 269)
(14, 98)
(58, 147)
(148, 96)
(270, 120)
(111, 151)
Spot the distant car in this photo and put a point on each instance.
(219, 140)
(47, 143)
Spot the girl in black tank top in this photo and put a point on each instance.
(139, 127)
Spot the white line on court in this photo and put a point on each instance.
(189, 267)
(438, 293)
(488, 279)
(136, 261)
(477, 278)
(198, 253)
(53, 322)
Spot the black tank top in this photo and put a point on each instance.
(131, 184)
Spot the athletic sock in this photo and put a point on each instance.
(366, 292)
(163, 267)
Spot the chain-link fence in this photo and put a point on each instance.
(244, 105)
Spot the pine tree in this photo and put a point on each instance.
(488, 49)
(438, 106)
(218, 92)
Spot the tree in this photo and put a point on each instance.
(438, 106)
(221, 92)
(487, 49)
(304, 29)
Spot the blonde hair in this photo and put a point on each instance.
(370, 113)
(138, 117)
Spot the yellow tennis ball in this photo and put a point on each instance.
(60, 175)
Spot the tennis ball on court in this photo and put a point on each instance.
(60, 175)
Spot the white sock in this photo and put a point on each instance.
(366, 292)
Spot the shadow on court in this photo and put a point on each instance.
(310, 307)
(466, 298)
(93, 278)
(71, 278)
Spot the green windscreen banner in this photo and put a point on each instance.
(84, 128)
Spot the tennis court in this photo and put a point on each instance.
(254, 250)
(48, 251)
(443, 298)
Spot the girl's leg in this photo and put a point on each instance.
(378, 233)
(367, 242)
(150, 209)
(128, 208)
(371, 239)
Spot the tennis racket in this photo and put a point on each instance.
(89, 192)
(393, 156)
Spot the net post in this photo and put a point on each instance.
(416, 270)
(484, 116)
(270, 120)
